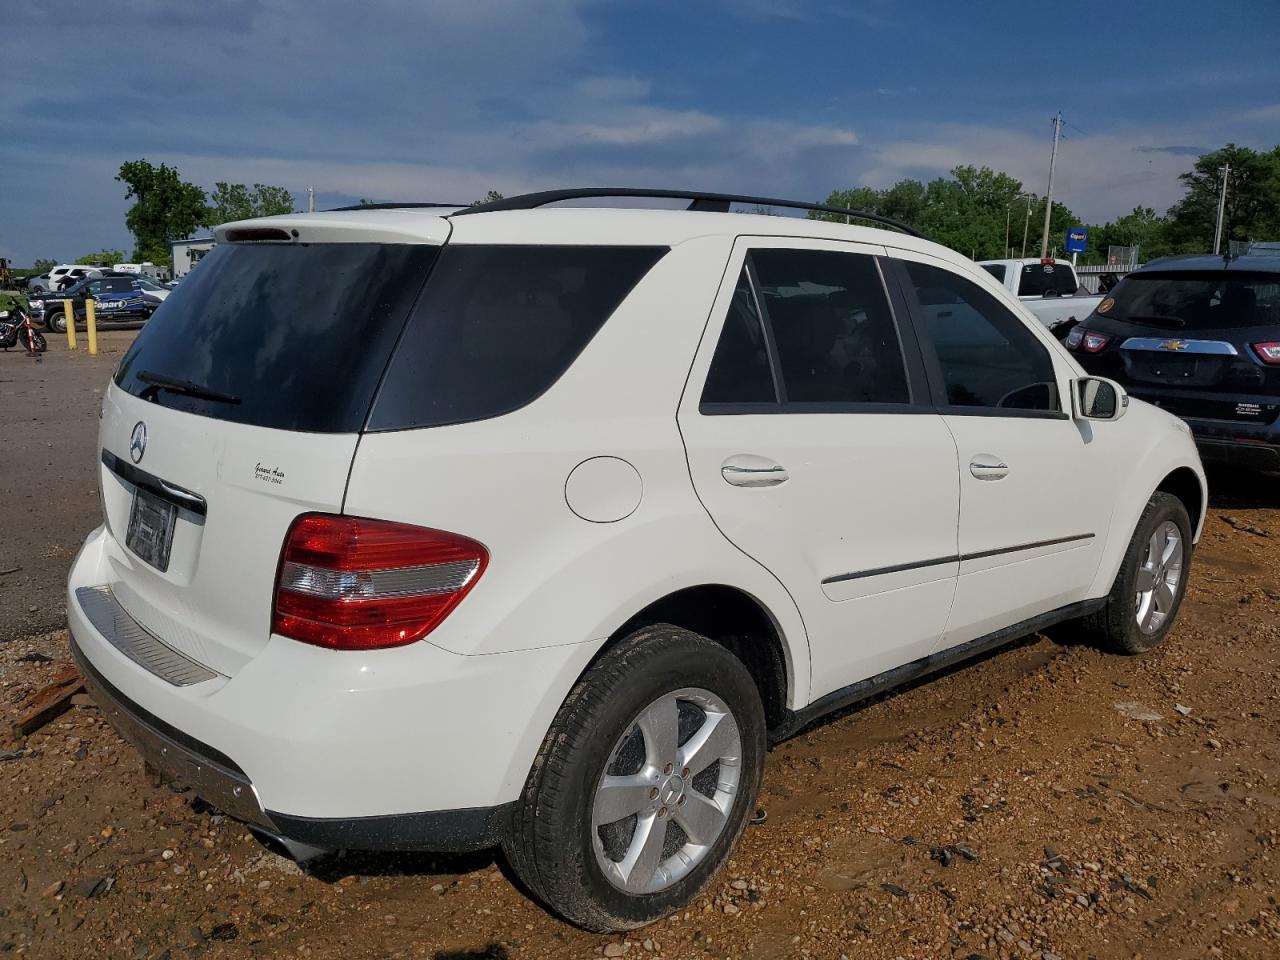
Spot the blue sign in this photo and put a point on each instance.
(1077, 239)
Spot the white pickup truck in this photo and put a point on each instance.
(1048, 288)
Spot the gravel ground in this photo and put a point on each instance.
(1048, 801)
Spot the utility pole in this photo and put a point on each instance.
(1026, 226)
(311, 199)
(1007, 208)
(1222, 207)
(1048, 202)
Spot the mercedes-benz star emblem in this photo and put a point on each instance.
(138, 442)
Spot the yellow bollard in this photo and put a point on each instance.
(91, 324)
(69, 312)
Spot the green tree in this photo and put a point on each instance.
(165, 208)
(42, 266)
(969, 211)
(235, 201)
(103, 258)
(491, 197)
(1143, 228)
(1253, 199)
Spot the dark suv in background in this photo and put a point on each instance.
(1200, 337)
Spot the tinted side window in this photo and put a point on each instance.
(740, 371)
(497, 325)
(997, 270)
(835, 335)
(988, 357)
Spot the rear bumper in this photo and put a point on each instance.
(1251, 455)
(412, 748)
(218, 780)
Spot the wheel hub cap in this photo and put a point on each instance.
(672, 790)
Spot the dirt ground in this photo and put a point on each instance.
(1048, 801)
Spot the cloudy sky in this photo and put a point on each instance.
(445, 99)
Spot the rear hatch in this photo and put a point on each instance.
(1195, 342)
(238, 408)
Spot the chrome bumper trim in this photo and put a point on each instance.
(135, 642)
(180, 762)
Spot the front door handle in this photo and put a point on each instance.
(753, 471)
(986, 467)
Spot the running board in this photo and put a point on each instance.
(797, 720)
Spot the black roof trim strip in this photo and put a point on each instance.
(714, 202)
(391, 206)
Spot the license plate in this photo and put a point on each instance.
(150, 533)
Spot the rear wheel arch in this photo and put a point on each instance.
(734, 619)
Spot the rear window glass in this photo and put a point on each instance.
(286, 335)
(997, 270)
(1196, 301)
(497, 325)
(1047, 279)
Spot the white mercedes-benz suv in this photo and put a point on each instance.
(441, 528)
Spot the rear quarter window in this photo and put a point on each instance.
(497, 325)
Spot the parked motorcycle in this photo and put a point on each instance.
(16, 330)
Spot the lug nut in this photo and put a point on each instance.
(668, 768)
(684, 773)
(662, 811)
(653, 793)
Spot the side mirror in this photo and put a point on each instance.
(1097, 398)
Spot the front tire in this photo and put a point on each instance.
(644, 782)
(41, 344)
(57, 322)
(1148, 592)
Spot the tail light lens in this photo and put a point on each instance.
(1093, 342)
(1268, 352)
(353, 584)
(1075, 338)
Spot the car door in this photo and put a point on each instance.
(1035, 489)
(813, 445)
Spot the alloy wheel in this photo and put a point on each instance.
(1158, 577)
(667, 791)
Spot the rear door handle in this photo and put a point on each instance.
(987, 467)
(753, 471)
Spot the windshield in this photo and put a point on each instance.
(298, 334)
(1196, 300)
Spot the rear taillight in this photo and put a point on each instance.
(1268, 352)
(353, 584)
(1075, 338)
(1093, 342)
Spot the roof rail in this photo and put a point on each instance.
(391, 206)
(709, 202)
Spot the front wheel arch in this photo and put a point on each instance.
(1186, 486)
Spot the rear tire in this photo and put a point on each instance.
(1148, 592)
(604, 833)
